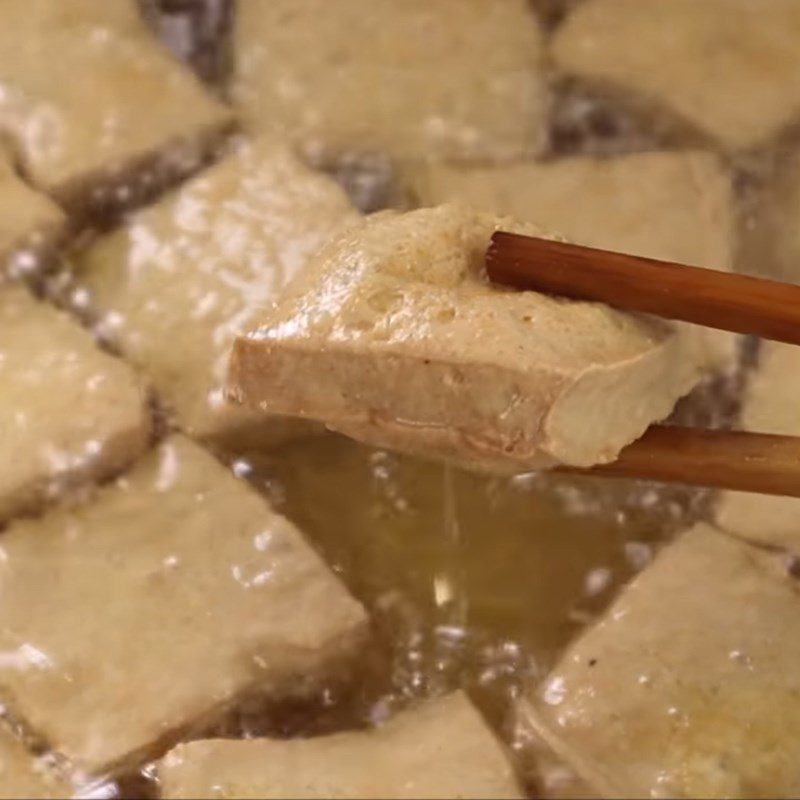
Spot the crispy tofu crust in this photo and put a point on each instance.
(175, 284)
(124, 110)
(393, 336)
(146, 613)
(442, 749)
(453, 79)
(674, 206)
(731, 68)
(71, 414)
(685, 687)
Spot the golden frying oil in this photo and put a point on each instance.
(473, 581)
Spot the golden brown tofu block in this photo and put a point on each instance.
(771, 405)
(393, 336)
(674, 206)
(24, 776)
(70, 412)
(731, 68)
(89, 97)
(180, 279)
(442, 749)
(686, 687)
(157, 605)
(30, 223)
(454, 78)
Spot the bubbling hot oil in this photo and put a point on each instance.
(472, 581)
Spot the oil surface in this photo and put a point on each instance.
(473, 581)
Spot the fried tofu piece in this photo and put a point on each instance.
(674, 206)
(394, 337)
(30, 223)
(771, 405)
(731, 68)
(159, 604)
(452, 79)
(441, 749)
(70, 412)
(180, 279)
(687, 686)
(23, 775)
(90, 98)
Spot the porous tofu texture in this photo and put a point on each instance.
(771, 405)
(180, 279)
(729, 67)
(30, 223)
(70, 412)
(442, 749)
(673, 206)
(174, 592)
(393, 336)
(22, 775)
(686, 687)
(453, 78)
(118, 102)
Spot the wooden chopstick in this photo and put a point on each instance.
(731, 302)
(748, 462)
(738, 460)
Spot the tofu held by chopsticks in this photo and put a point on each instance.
(394, 336)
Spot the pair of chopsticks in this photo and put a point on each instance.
(753, 462)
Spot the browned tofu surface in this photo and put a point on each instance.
(686, 687)
(442, 749)
(452, 78)
(393, 336)
(157, 605)
(71, 413)
(673, 206)
(180, 279)
(731, 68)
(116, 102)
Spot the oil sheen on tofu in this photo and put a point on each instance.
(394, 336)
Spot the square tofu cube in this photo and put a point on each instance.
(23, 775)
(180, 279)
(451, 78)
(687, 686)
(159, 604)
(393, 336)
(731, 68)
(30, 223)
(70, 412)
(771, 405)
(674, 206)
(442, 749)
(89, 97)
